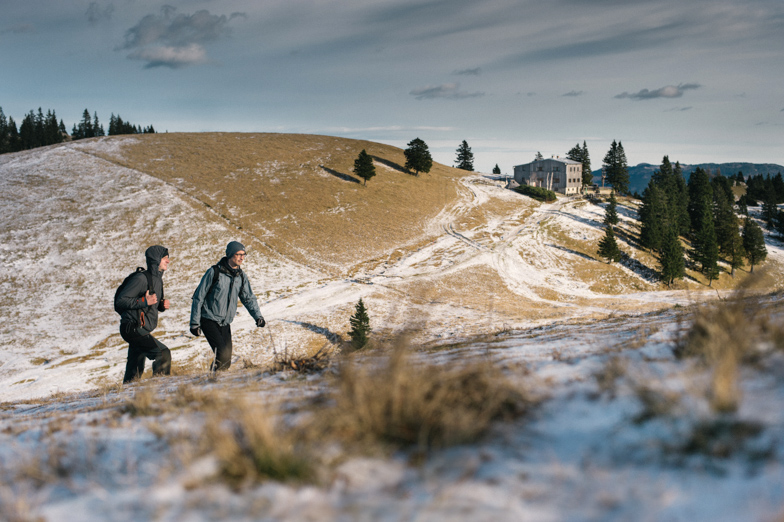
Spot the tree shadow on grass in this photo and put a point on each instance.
(332, 337)
(574, 252)
(644, 271)
(340, 175)
(391, 165)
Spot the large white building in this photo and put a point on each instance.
(556, 174)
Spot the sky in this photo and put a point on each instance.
(699, 81)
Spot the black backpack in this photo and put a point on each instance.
(125, 283)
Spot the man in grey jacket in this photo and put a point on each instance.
(215, 303)
(139, 307)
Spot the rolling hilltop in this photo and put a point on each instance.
(488, 309)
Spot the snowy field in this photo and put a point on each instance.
(599, 446)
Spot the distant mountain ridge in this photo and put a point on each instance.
(640, 175)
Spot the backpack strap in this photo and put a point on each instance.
(215, 275)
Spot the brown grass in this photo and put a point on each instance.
(406, 403)
(250, 446)
(289, 192)
(725, 335)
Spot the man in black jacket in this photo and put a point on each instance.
(139, 308)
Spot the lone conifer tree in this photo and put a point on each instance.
(611, 212)
(363, 166)
(496, 169)
(754, 243)
(360, 326)
(418, 156)
(608, 247)
(465, 158)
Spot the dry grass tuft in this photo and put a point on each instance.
(249, 446)
(16, 507)
(403, 402)
(725, 335)
(142, 403)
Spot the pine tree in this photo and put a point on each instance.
(700, 198)
(363, 166)
(4, 141)
(97, 127)
(705, 250)
(726, 223)
(608, 246)
(615, 168)
(418, 156)
(671, 258)
(360, 326)
(496, 169)
(754, 243)
(736, 251)
(679, 205)
(780, 223)
(770, 209)
(465, 158)
(587, 174)
(652, 215)
(611, 211)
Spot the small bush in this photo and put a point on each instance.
(419, 403)
(538, 193)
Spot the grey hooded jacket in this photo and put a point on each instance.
(132, 297)
(221, 303)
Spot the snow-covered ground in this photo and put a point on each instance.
(74, 225)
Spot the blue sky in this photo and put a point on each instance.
(700, 81)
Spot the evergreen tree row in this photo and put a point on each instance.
(702, 211)
(38, 129)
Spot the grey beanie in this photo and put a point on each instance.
(234, 247)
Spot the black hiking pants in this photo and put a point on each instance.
(219, 338)
(141, 347)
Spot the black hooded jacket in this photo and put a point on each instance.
(132, 297)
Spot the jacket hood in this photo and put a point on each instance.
(226, 268)
(154, 254)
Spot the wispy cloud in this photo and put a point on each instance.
(175, 40)
(97, 13)
(450, 91)
(573, 93)
(668, 91)
(679, 109)
(476, 71)
(19, 29)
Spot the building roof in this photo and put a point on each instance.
(565, 161)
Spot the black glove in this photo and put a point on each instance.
(196, 331)
(260, 322)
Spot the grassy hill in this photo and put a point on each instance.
(512, 370)
(444, 256)
(296, 194)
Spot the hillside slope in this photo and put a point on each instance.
(448, 255)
